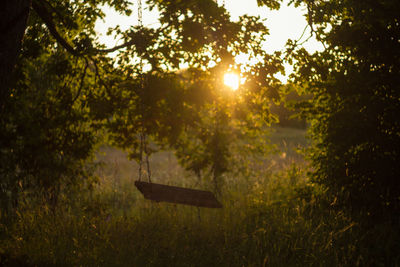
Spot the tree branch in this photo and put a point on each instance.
(46, 17)
(113, 49)
(48, 20)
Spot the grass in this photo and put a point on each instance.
(271, 217)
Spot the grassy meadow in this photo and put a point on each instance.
(271, 216)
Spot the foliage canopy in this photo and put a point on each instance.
(68, 94)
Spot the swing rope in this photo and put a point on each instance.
(143, 138)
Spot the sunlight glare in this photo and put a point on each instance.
(231, 80)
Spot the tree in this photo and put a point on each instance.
(14, 15)
(65, 89)
(356, 99)
(192, 111)
(47, 130)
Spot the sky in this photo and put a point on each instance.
(286, 23)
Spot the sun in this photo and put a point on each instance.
(231, 80)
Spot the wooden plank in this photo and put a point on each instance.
(178, 195)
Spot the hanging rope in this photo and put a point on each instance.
(160, 192)
(141, 156)
(143, 141)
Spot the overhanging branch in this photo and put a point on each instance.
(113, 49)
(46, 17)
(44, 14)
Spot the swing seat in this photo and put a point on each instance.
(178, 195)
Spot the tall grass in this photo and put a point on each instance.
(270, 218)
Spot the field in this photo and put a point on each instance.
(270, 218)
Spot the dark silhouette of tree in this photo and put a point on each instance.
(13, 21)
(355, 83)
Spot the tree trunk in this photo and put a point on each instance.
(13, 22)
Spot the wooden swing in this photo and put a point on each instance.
(167, 193)
(177, 195)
